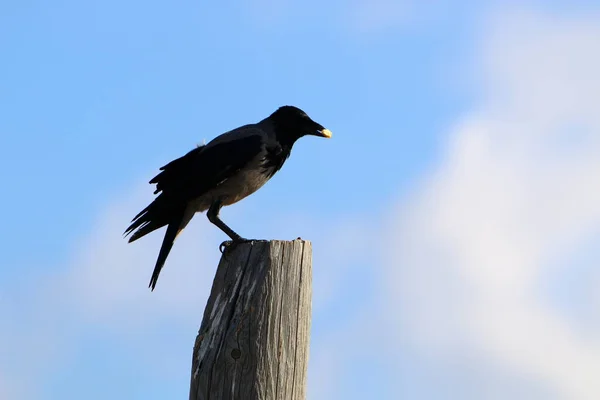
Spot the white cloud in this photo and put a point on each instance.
(110, 276)
(374, 16)
(518, 188)
(104, 289)
(363, 17)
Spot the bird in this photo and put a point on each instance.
(220, 173)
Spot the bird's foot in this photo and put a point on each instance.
(229, 245)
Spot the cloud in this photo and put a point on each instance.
(375, 16)
(109, 276)
(518, 188)
(99, 298)
(362, 17)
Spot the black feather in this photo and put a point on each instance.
(167, 245)
(274, 158)
(171, 170)
(205, 167)
(188, 177)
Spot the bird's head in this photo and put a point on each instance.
(291, 123)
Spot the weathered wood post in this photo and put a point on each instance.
(254, 337)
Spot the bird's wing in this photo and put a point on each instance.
(184, 179)
(207, 166)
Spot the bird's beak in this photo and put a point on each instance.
(326, 133)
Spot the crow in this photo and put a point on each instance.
(220, 173)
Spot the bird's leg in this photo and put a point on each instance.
(213, 216)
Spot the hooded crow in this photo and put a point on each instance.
(220, 173)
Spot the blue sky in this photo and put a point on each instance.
(455, 214)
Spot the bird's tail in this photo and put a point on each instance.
(151, 218)
(175, 226)
(158, 214)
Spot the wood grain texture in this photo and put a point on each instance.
(254, 338)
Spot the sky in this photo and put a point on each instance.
(454, 215)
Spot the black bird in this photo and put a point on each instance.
(220, 173)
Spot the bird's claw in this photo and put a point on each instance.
(224, 245)
(229, 245)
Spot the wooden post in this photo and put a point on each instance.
(254, 337)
